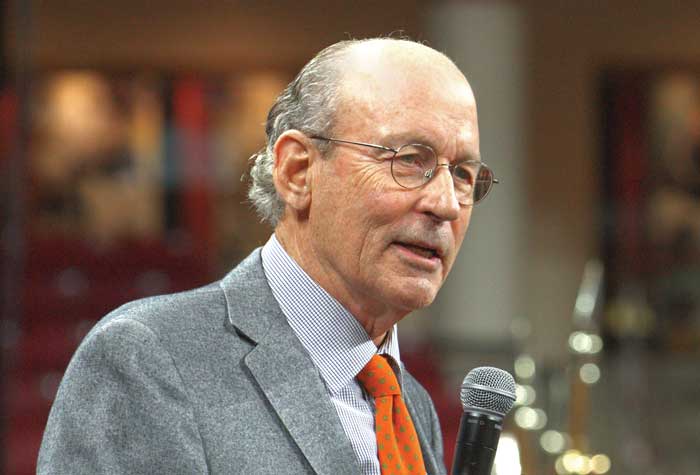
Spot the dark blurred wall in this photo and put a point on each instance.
(571, 44)
(193, 35)
(3, 40)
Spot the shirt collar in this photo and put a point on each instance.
(338, 345)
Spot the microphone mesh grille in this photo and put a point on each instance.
(497, 394)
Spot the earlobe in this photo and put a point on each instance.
(293, 157)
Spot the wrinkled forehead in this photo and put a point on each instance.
(406, 89)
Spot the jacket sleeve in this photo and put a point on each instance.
(121, 408)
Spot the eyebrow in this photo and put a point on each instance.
(402, 138)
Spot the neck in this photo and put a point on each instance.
(375, 317)
(380, 340)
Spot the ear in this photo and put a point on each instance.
(292, 172)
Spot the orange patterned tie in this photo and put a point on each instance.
(397, 443)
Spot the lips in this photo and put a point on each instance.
(421, 251)
(424, 250)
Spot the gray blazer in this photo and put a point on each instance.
(212, 380)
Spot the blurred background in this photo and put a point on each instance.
(125, 128)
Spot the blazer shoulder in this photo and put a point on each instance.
(186, 322)
(190, 310)
(162, 312)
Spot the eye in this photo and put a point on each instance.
(409, 159)
(465, 173)
(413, 165)
(414, 157)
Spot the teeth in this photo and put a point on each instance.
(427, 253)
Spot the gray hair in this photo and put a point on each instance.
(307, 104)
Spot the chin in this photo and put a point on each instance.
(420, 297)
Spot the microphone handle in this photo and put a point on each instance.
(476, 443)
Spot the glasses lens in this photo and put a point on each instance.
(413, 165)
(472, 181)
(484, 181)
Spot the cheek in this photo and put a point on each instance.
(369, 199)
(351, 186)
(369, 179)
(340, 217)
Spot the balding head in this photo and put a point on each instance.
(382, 79)
(349, 76)
(387, 59)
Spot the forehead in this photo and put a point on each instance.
(407, 95)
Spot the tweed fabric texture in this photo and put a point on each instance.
(208, 381)
(338, 345)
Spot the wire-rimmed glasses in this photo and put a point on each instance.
(413, 165)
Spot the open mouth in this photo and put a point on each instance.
(425, 252)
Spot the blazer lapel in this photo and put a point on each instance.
(295, 390)
(431, 464)
(285, 373)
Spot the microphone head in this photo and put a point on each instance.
(489, 390)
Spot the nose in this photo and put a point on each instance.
(438, 195)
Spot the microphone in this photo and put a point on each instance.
(487, 395)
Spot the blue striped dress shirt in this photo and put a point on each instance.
(338, 345)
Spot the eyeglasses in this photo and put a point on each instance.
(414, 165)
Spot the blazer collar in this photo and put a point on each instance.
(287, 376)
(250, 305)
(284, 371)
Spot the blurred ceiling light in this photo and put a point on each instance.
(553, 442)
(584, 465)
(507, 460)
(580, 342)
(585, 343)
(600, 464)
(585, 303)
(530, 419)
(574, 461)
(596, 344)
(525, 395)
(524, 367)
(589, 373)
(559, 466)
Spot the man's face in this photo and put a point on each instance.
(381, 247)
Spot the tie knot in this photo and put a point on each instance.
(378, 378)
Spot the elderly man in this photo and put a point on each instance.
(290, 364)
